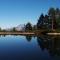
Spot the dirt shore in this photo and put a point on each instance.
(17, 33)
(53, 33)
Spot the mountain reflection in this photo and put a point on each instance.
(52, 44)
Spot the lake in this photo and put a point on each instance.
(28, 47)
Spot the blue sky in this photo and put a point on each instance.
(15, 12)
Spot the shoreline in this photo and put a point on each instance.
(53, 33)
(17, 33)
(27, 33)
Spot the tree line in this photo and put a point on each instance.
(50, 21)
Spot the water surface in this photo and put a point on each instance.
(29, 48)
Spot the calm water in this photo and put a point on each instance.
(29, 48)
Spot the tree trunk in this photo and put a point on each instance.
(52, 25)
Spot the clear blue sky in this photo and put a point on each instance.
(15, 12)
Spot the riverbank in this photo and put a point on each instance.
(28, 33)
(17, 33)
(53, 33)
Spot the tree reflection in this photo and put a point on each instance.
(40, 42)
(28, 37)
(4, 35)
(52, 44)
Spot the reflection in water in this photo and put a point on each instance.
(52, 44)
(28, 37)
(3, 35)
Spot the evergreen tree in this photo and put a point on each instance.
(40, 22)
(51, 14)
(28, 27)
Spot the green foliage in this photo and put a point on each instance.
(51, 12)
(50, 21)
(0, 29)
(40, 22)
(52, 15)
(43, 22)
(28, 27)
(14, 29)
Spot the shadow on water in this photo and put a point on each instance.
(52, 44)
